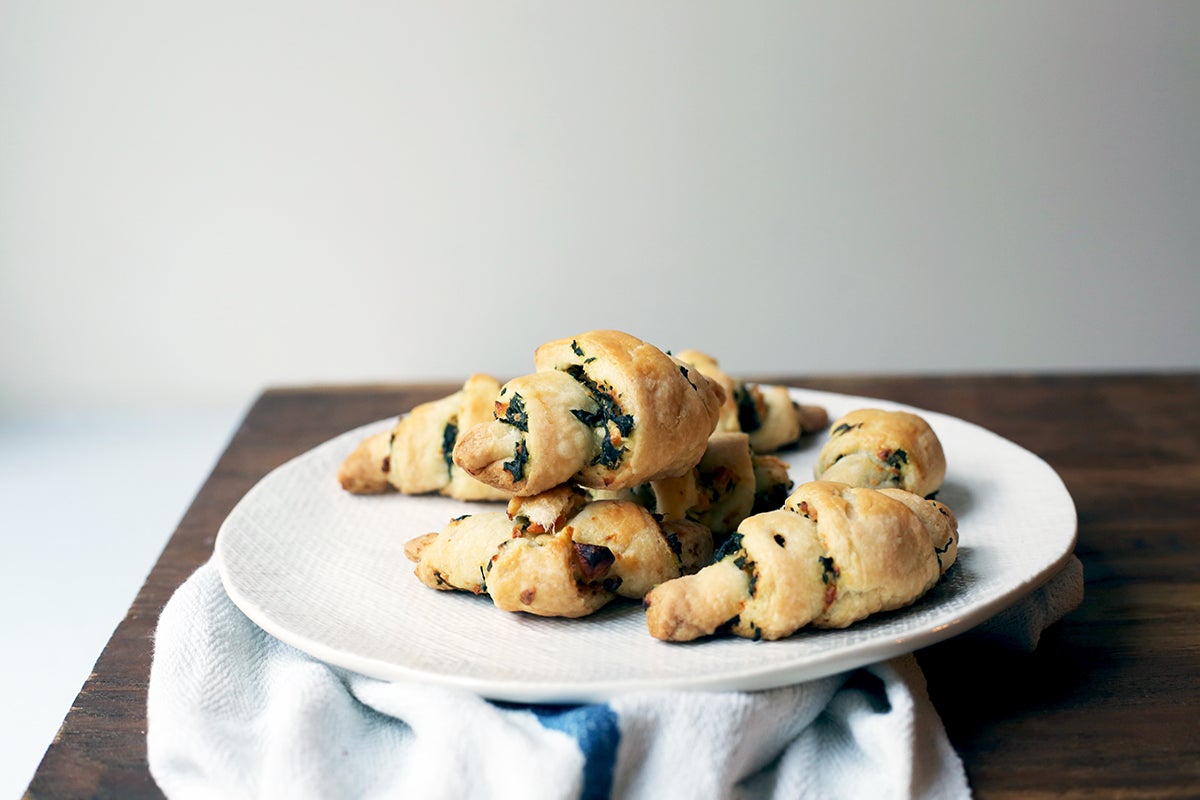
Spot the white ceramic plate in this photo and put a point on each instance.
(325, 571)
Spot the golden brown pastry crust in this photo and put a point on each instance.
(834, 554)
(602, 549)
(728, 485)
(548, 575)
(766, 413)
(707, 365)
(646, 552)
(363, 471)
(452, 558)
(603, 410)
(550, 510)
(414, 456)
(720, 489)
(544, 574)
(939, 520)
(877, 449)
(534, 440)
(883, 555)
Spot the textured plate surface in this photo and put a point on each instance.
(325, 571)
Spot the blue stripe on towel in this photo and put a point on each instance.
(595, 728)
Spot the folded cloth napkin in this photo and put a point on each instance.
(1020, 626)
(234, 712)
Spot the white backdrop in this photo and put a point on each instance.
(201, 199)
(198, 200)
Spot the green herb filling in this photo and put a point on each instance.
(829, 571)
(516, 467)
(608, 414)
(896, 459)
(515, 413)
(449, 437)
(748, 416)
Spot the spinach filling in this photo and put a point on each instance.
(609, 455)
(749, 419)
(728, 547)
(732, 549)
(515, 413)
(516, 467)
(829, 571)
(449, 437)
(845, 427)
(896, 459)
(608, 415)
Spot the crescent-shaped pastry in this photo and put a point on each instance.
(597, 551)
(833, 555)
(766, 413)
(414, 457)
(603, 410)
(877, 449)
(546, 574)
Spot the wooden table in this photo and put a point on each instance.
(1109, 704)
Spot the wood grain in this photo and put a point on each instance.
(1108, 705)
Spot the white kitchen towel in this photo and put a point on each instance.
(233, 712)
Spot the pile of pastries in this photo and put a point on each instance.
(631, 472)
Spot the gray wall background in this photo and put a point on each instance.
(198, 200)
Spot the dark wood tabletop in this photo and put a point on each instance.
(1108, 705)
